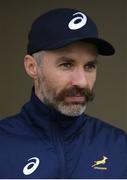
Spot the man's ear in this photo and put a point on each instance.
(30, 65)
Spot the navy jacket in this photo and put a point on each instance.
(39, 142)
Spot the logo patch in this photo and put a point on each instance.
(77, 22)
(31, 166)
(98, 164)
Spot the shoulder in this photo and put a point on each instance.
(15, 124)
(10, 121)
(99, 124)
(102, 130)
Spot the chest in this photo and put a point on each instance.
(73, 157)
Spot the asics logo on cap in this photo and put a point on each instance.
(79, 21)
(31, 166)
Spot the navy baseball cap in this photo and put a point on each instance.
(60, 27)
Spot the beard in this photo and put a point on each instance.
(58, 101)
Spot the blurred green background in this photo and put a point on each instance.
(16, 17)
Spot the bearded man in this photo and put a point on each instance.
(52, 137)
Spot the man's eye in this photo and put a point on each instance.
(90, 66)
(66, 65)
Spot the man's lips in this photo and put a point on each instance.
(79, 99)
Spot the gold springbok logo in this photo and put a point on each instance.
(97, 164)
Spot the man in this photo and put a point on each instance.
(52, 137)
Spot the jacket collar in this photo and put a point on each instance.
(46, 118)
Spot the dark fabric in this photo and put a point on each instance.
(60, 146)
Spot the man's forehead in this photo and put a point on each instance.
(78, 51)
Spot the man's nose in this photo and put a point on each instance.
(80, 79)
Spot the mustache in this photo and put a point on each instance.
(76, 91)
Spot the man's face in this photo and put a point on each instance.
(66, 78)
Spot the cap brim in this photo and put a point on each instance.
(103, 47)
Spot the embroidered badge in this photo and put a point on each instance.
(100, 164)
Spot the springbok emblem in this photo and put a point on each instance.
(100, 162)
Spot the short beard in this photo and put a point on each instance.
(57, 101)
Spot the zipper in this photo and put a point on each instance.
(59, 147)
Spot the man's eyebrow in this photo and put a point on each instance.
(95, 61)
(70, 60)
(64, 59)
